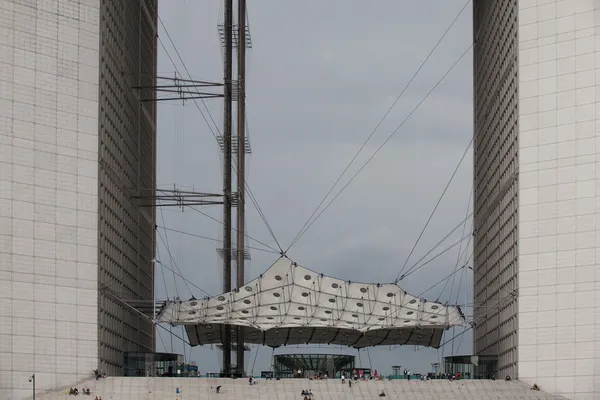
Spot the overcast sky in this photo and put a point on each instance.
(321, 74)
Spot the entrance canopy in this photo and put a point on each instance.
(290, 304)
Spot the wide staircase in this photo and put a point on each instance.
(116, 388)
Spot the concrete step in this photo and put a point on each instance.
(119, 388)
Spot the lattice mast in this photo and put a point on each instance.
(227, 158)
(241, 170)
(234, 36)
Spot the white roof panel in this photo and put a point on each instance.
(290, 304)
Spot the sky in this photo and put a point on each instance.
(320, 76)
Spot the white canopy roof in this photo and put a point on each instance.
(290, 304)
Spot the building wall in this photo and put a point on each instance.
(495, 183)
(127, 170)
(76, 144)
(48, 193)
(559, 151)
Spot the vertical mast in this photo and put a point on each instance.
(227, 155)
(241, 168)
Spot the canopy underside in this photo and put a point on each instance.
(428, 337)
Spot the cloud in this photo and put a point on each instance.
(320, 77)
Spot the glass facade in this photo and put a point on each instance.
(126, 152)
(332, 365)
(155, 364)
(495, 195)
(471, 367)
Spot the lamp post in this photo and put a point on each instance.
(32, 380)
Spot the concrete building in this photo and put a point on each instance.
(74, 143)
(537, 74)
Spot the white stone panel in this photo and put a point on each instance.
(39, 42)
(559, 55)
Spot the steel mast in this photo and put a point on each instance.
(227, 158)
(241, 169)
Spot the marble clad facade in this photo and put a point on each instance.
(537, 176)
(73, 140)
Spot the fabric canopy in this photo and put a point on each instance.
(290, 304)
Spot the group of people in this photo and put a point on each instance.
(359, 375)
(298, 373)
(99, 374)
(319, 376)
(307, 394)
(75, 392)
